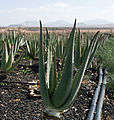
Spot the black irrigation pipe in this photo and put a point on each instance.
(101, 98)
(98, 98)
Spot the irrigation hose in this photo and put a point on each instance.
(100, 102)
(95, 97)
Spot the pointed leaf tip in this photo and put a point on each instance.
(40, 23)
(75, 23)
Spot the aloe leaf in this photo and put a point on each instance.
(16, 63)
(17, 42)
(49, 58)
(4, 56)
(93, 53)
(61, 48)
(49, 62)
(53, 79)
(84, 52)
(63, 89)
(43, 86)
(15, 47)
(10, 58)
(57, 49)
(8, 45)
(47, 37)
(28, 46)
(78, 51)
(65, 53)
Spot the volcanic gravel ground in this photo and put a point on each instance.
(16, 104)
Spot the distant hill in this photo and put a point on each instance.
(30, 24)
(81, 25)
(101, 26)
(15, 25)
(26, 24)
(97, 23)
(59, 23)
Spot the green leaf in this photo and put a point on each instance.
(4, 56)
(16, 63)
(49, 63)
(93, 53)
(10, 59)
(63, 89)
(78, 51)
(43, 86)
(85, 50)
(53, 79)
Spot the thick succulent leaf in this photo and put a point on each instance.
(10, 59)
(8, 45)
(16, 63)
(65, 53)
(4, 56)
(93, 53)
(28, 46)
(53, 79)
(15, 47)
(47, 37)
(61, 48)
(49, 64)
(63, 89)
(84, 52)
(43, 86)
(78, 51)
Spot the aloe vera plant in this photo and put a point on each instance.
(15, 38)
(58, 93)
(7, 60)
(33, 46)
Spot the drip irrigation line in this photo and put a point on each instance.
(95, 97)
(100, 102)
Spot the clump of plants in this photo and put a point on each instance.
(110, 83)
(10, 46)
(105, 56)
(32, 46)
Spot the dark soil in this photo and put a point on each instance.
(16, 104)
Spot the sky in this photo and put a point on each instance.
(18, 11)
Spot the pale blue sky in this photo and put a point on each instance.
(18, 11)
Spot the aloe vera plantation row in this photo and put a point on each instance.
(58, 42)
(58, 87)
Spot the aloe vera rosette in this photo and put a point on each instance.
(7, 61)
(33, 46)
(59, 98)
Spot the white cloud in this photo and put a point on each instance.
(20, 9)
(16, 10)
(61, 5)
(2, 11)
(112, 6)
(44, 8)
